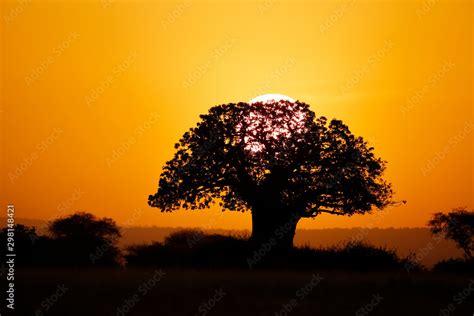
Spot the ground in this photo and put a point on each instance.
(237, 292)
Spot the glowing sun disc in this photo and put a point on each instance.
(271, 97)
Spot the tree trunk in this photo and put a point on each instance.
(273, 230)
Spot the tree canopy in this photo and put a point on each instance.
(272, 155)
(457, 225)
(84, 225)
(84, 239)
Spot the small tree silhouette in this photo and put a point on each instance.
(457, 225)
(86, 239)
(23, 239)
(276, 159)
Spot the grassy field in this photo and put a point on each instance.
(236, 292)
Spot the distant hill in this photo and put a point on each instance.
(403, 240)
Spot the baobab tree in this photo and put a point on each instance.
(276, 159)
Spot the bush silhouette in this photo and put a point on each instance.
(185, 238)
(81, 239)
(25, 242)
(455, 265)
(214, 250)
(190, 248)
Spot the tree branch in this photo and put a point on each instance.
(314, 212)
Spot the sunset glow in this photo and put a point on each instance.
(96, 93)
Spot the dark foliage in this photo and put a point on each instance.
(457, 225)
(77, 240)
(357, 256)
(212, 251)
(191, 248)
(25, 239)
(455, 266)
(276, 159)
(82, 239)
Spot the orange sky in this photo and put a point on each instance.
(95, 93)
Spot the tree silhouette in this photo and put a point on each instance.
(457, 225)
(24, 240)
(85, 239)
(276, 159)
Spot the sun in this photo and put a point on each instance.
(270, 98)
(272, 117)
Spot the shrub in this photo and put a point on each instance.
(193, 248)
(457, 265)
